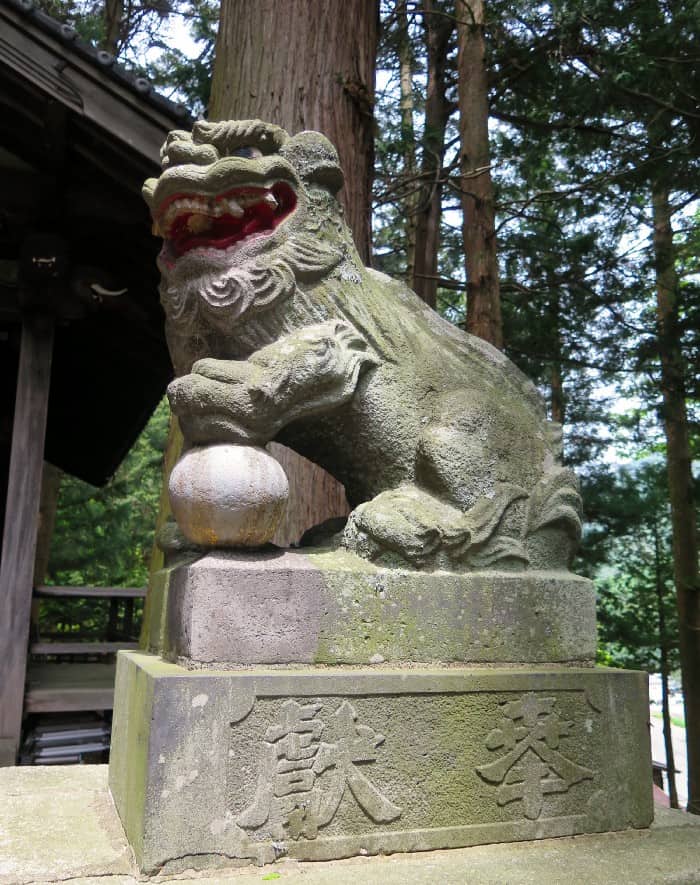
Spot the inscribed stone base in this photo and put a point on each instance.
(331, 607)
(211, 768)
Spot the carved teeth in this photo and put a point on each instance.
(202, 210)
(246, 200)
(197, 224)
(235, 208)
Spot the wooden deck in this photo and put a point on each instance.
(71, 687)
(84, 683)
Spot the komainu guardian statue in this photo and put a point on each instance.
(278, 332)
(346, 698)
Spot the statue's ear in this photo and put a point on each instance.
(315, 159)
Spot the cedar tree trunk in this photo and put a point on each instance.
(408, 137)
(478, 228)
(113, 14)
(305, 64)
(556, 376)
(438, 29)
(663, 660)
(680, 481)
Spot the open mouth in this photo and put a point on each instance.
(198, 221)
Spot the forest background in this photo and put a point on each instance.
(576, 125)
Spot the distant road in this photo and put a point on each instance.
(658, 754)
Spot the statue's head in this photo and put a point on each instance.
(246, 211)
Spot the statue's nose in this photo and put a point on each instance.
(179, 152)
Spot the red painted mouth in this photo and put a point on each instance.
(197, 221)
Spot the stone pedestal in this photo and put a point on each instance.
(293, 705)
(332, 607)
(256, 764)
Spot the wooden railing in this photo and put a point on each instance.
(80, 683)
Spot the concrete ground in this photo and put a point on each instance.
(58, 824)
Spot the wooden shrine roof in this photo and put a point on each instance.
(78, 136)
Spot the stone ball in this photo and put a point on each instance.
(228, 495)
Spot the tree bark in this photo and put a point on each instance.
(556, 375)
(680, 480)
(558, 405)
(668, 737)
(663, 659)
(305, 65)
(113, 14)
(478, 228)
(438, 29)
(408, 136)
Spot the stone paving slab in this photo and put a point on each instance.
(58, 824)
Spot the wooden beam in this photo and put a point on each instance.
(48, 504)
(93, 592)
(86, 88)
(21, 515)
(81, 648)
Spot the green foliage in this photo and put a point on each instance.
(592, 103)
(177, 74)
(103, 537)
(627, 548)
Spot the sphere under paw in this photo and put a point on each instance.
(228, 495)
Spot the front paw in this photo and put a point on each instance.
(215, 412)
(226, 371)
(405, 522)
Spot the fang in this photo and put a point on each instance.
(235, 208)
(197, 224)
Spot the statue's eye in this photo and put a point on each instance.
(248, 151)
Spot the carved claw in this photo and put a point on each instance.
(419, 526)
(225, 371)
(498, 551)
(481, 546)
(393, 528)
(212, 411)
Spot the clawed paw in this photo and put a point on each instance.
(409, 522)
(426, 531)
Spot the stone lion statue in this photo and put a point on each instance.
(278, 331)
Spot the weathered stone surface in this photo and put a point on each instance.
(277, 330)
(57, 819)
(320, 606)
(228, 496)
(211, 766)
